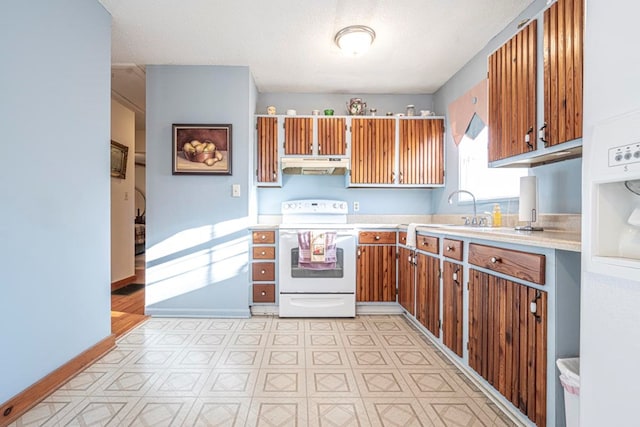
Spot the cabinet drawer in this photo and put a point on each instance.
(427, 244)
(264, 293)
(402, 237)
(264, 252)
(263, 271)
(452, 249)
(264, 237)
(380, 237)
(523, 265)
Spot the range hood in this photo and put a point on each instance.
(314, 165)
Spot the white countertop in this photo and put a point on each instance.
(549, 238)
(555, 239)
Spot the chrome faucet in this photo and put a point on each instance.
(474, 220)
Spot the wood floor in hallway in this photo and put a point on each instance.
(127, 311)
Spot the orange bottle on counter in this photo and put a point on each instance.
(497, 216)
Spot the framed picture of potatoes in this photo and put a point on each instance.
(202, 149)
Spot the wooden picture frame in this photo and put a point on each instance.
(119, 154)
(201, 149)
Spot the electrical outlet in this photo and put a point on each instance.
(235, 190)
(356, 206)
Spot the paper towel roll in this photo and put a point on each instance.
(528, 209)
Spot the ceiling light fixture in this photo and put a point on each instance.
(355, 39)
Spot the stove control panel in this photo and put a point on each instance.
(311, 206)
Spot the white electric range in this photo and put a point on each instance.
(320, 290)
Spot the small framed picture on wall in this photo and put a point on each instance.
(202, 149)
(119, 154)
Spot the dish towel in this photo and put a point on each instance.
(317, 250)
(411, 235)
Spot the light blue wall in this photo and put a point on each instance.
(382, 201)
(372, 201)
(559, 184)
(54, 185)
(197, 242)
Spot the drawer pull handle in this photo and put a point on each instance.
(263, 237)
(263, 253)
(263, 293)
(377, 238)
(449, 248)
(263, 271)
(495, 260)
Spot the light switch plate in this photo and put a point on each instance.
(235, 190)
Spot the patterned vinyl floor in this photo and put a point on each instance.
(267, 371)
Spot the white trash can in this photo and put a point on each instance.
(570, 380)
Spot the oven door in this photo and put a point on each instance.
(293, 278)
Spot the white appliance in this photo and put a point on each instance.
(327, 291)
(612, 242)
(610, 288)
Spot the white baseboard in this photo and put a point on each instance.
(264, 310)
(370, 309)
(174, 312)
(362, 308)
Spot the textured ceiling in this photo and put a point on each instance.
(288, 44)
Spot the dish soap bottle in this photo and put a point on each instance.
(497, 216)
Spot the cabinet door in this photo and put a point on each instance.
(298, 135)
(372, 150)
(267, 149)
(428, 292)
(332, 140)
(376, 273)
(508, 342)
(406, 280)
(563, 36)
(512, 95)
(421, 152)
(452, 281)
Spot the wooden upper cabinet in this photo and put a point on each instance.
(563, 55)
(512, 95)
(298, 135)
(372, 150)
(332, 139)
(267, 149)
(421, 151)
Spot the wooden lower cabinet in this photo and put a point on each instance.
(508, 342)
(406, 279)
(376, 273)
(428, 292)
(452, 301)
(263, 266)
